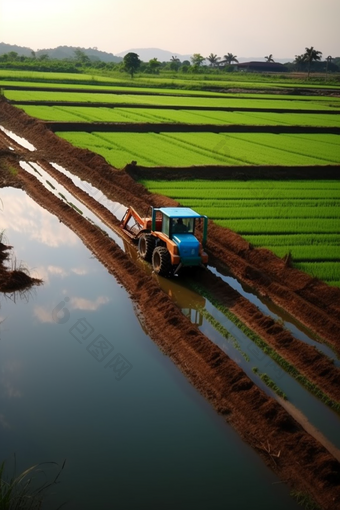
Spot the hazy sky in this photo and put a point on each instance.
(243, 27)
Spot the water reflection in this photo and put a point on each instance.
(22, 215)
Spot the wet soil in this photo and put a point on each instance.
(297, 457)
(13, 280)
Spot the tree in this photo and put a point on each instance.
(213, 59)
(131, 63)
(229, 58)
(197, 59)
(13, 55)
(153, 66)
(269, 58)
(310, 55)
(300, 62)
(81, 56)
(175, 63)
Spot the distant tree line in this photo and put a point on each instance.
(309, 61)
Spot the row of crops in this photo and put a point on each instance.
(301, 217)
(181, 101)
(186, 149)
(92, 114)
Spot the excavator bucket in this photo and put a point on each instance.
(132, 224)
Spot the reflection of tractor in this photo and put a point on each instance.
(167, 238)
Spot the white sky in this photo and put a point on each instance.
(246, 28)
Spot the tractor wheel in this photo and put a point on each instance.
(146, 245)
(161, 261)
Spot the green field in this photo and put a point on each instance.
(300, 217)
(172, 80)
(88, 114)
(186, 149)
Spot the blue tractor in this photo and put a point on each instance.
(167, 238)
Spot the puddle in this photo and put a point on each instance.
(279, 315)
(115, 208)
(21, 141)
(60, 192)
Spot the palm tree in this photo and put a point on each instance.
(175, 63)
(310, 55)
(213, 59)
(229, 58)
(269, 58)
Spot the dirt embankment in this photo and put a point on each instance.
(294, 455)
(285, 446)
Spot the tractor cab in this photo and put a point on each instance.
(177, 220)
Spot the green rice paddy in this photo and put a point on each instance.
(164, 100)
(93, 114)
(186, 149)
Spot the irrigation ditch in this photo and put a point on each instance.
(296, 456)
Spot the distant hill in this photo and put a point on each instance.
(145, 54)
(61, 52)
(20, 50)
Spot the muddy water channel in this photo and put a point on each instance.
(82, 381)
(319, 420)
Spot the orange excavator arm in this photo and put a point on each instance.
(138, 225)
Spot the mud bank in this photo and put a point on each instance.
(13, 280)
(294, 455)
